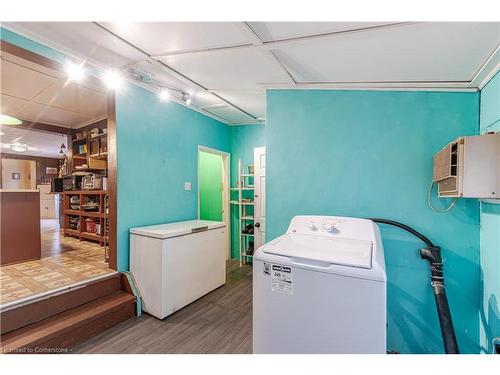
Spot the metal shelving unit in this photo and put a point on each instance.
(243, 216)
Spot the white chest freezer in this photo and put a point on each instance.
(321, 288)
(175, 264)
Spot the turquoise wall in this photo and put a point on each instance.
(30, 45)
(490, 230)
(244, 138)
(157, 151)
(369, 153)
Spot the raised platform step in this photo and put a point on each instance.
(66, 329)
(37, 310)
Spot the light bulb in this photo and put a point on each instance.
(74, 71)
(112, 79)
(164, 95)
(18, 147)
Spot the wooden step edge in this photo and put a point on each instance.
(37, 333)
(38, 310)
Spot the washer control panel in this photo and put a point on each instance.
(333, 226)
(316, 225)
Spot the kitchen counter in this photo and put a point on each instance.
(20, 225)
(19, 190)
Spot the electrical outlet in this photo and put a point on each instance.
(187, 186)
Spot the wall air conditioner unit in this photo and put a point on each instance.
(469, 167)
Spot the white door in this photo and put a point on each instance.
(259, 157)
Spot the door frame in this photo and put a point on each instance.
(257, 202)
(226, 178)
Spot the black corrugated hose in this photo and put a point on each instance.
(432, 254)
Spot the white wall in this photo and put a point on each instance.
(26, 169)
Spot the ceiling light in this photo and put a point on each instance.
(18, 147)
(74, 71)
(8, 120)
(164, 95)
(112, 79)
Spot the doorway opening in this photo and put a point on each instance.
(57, 195)
(213, 188)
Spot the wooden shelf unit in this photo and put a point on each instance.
(244, 217)
(98, 216)
(92, 151)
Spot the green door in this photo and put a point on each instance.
(210, 186)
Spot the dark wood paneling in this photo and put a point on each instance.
(101, 124)
(112, 181)
(43, 128)
(20, 227)
(73, 326)
(39, 310)
(118, 314)
(30, 56)
(125, 285)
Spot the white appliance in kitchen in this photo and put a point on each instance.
(321, 288)
(49, 204)
(175, 264)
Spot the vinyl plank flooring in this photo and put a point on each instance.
(220, 322)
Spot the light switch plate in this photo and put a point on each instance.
(187, 186)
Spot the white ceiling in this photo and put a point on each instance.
(227, 66)
(35, 93)
(43, 144)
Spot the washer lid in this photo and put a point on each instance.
(341, 251)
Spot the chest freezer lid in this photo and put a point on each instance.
(340, 251)
(163, 231)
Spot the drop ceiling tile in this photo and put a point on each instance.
(50, 115)
(22, 82)
(419, 52)
(239, 69)
(11, 105)
(253, 102)
(203, 99)
(268, 31)
(231, 115)
(30, 65)
(85, 39)
(75, 98)
(163, 37)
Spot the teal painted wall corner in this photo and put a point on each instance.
(489, 311)
(244, 138)
(157, 152)
(369, 153)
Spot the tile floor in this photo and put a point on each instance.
(81, 260)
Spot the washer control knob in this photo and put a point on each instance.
(313, 227)
(328, 227)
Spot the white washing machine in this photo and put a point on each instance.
(321, 288)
